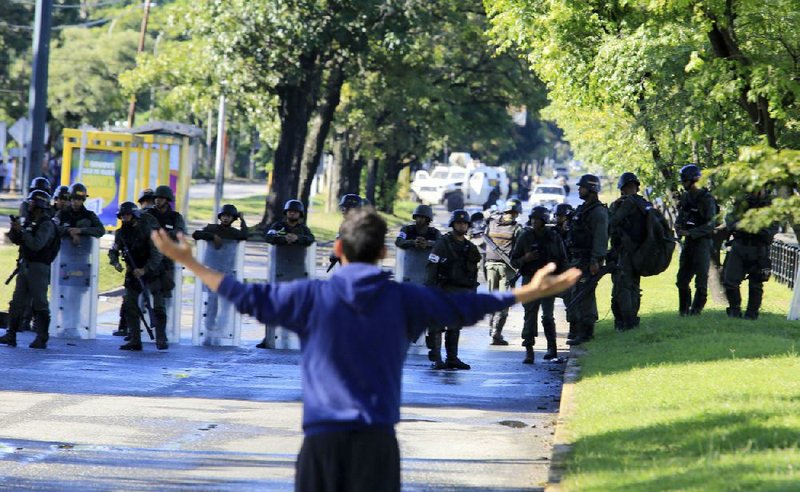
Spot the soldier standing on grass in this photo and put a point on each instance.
(132, 245)
(626, 227)
(453, 267)
(39, 243)
(748, 257)
(697, 212)
(537, 246)
(588, 243)
(503, 230)
(563, 215)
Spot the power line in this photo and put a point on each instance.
(93, 23)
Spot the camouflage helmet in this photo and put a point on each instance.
(424, 211)
(295, 205)
(78, 190)
(147, 195)
(690, 172)
(590, 182)
(164, 191)
(39, 198)
(350, 201)
(627, 178)
(459, 215)
(513, 205)
(563, 209)
(128, 208)
(540, 213)
(228, 209)
(40, 183)
(62, 193)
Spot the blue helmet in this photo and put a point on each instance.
(627, 178)
(690, 172)
(459, 215)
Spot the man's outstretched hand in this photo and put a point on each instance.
(545, 284)
(180, 251)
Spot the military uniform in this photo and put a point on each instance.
(626, 227)
(85, 220)
(697, 210)
(172, 222)
(453, 267)
(38, 242)
(229, 232)
(549, 247)
(748, 256)
(135, 237)
(276, 234)
(504, 233)
(588, 243)
(406, 238)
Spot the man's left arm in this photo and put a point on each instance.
(94, 228)
(304, 236)
(39, 239)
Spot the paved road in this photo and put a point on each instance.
(83, 415)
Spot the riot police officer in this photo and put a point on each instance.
(292, 229)
(420, 234)
(563, 215)
(502, 231)
(41, 184)
(347, 203)
(132, 244)
(292, 232)
(748, 256)
(537, 246)
(172, 221)
(39, 243)
(626, 227)
(61, 199)
(452, 266)
(697, 212)
(76, 220)
(216, 233)
(588, 243)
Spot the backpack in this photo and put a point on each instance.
(654, 254)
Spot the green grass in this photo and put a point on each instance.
(109, 278)
(701, 403)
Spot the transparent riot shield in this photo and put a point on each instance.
(74, 277)
(173, 305)
(216, 321)
(410, 265)
(288, 262)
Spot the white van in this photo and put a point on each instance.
(458, 186)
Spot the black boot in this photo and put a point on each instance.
(528, 354)
(753, 303)
(583, 334)
(733, 312)
(10, 338)
(122, 326)
(451, 347)
(684, 301)
(698, 304)
(41, 324)
(434, 342)
(571, 333)
(133, 346)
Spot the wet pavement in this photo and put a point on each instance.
(83, 415)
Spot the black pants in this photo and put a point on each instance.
(358, 460)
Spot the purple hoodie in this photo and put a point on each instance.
(355, 330)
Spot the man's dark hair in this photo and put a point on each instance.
(363, 234)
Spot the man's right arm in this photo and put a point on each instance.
(402, 240)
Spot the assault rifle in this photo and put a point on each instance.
(503, 257)
(587, 284)
(13, 274)
(145, 293)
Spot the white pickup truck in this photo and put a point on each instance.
(458, 186)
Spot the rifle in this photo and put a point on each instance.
(13, 274)
(145, 292)
(334, 260)
(504, 258)
(589, 284)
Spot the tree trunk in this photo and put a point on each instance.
(320, 127)
(388, 187)
(296, 104)
(372, 178)
(340, 151)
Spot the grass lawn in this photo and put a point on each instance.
(109, 278)
(701, 403)
(323, 225)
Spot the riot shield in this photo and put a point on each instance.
(74, 278)
(173, 305)
(216, 321)
(285, 263)
(410, 265)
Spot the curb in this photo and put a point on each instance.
(562, 440)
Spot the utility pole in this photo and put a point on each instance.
(37, 97)
(219, 165)
(142, 33)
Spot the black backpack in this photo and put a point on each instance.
(654, 254)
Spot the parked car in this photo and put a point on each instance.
(547, 195)
(457, 186)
